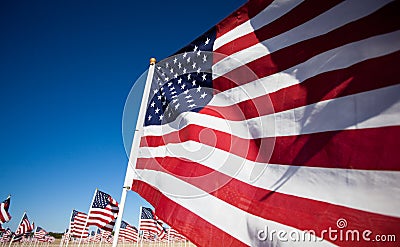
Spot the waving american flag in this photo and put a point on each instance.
(284, 116)
(103, 211)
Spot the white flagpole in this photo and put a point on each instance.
(68, 235)
(135, 145)
(139, 237)
(12, 239)
(87, 218)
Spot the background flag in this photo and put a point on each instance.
(24, 228)
(103, 211)
(149, 225)
(128, 233)
(4, 215)
(78, 221)
(291, 123)
(40, 233)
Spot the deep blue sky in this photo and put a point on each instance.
(66, 68)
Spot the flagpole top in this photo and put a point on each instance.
(152, 61)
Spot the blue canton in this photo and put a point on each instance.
(182, 82)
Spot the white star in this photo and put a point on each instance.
(175, 60)
(176, 75)
(174, 101)
(188, 97)
(158, 67)
(179, 65)
(159, 97)
(204, 76)
(204, 58)
(169, 84)
(192, 105)
(158, 79)
(188, 60)
(194, 83)
(155, 91)
(198, 53)
(189, 101)
(198, 89)
(194, 65)
(169, 114)
(186, 91)
(152, 104)
(157, 110)
(161, 117)
(166, 65)
(207, 41)
(203, 95)
(184, 70)
(183, 86)
(163, 74)
(173, 92)
(166, 79)
(176, 106)
(184, 54)
(179, 80)
(162, 89)
(171, 70)
(198, 70)
(188, 76)
(172, 88)
(195, 48)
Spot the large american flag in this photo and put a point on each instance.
(4, 206)
(284, 116)
(78, 226)
(103, 211)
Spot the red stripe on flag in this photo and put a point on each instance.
(204, 234)
(366, 149)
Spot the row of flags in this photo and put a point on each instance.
(103, 213)
(26, 232)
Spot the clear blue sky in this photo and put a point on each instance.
(66, 68)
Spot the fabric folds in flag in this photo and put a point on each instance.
(103, 211)
(4, 215)
(283, 117)
(79, 228)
